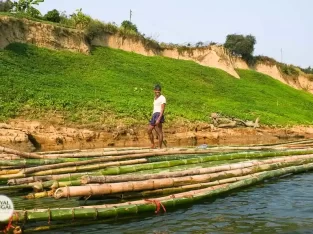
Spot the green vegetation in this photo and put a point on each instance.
(129, 26)
(243, 46)
(307, 70)
(27, 7)
(53, 16)
(285, 69)
(5, 6)
(91, 27)
(112, 85)
(237, 45)
(240, 45)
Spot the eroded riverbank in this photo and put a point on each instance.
(29, 136)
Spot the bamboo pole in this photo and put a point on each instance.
(166, 151)
(9, 157)
(122, 178)
(100, 154)
(9, 171)
(140, 206)
(110, 188)
(60, 164)
(172, 190)
(19, 153)
(198, 160)
(40, 186)
(27, 180)
(134, 168)
(16, 187)
(148, 166)
(84, 167)
(40, 195)
(32, 162)
(59, 151)
(74, 176)
(53, 184)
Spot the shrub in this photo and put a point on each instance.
(265, 59)
(66, 20)
(289, 70)
(81, 20)
(308, 70)
(151, 44)
(199, 44)
(94, 28)
(129, 26)
(111, 28)
(6, 6)
(53, 16)
(26, 6)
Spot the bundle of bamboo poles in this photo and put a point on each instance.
(129, 181)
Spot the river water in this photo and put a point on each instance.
(281, 205)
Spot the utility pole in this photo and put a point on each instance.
(130, 15)
(281, 55)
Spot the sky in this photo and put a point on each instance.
(283, 28)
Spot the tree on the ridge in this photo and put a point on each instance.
(53, 16)
(240, 45)
(80, 19)
(5, 6)
(26, 6)
(129, 26)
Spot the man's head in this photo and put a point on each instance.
(157, 90)
(157, 87)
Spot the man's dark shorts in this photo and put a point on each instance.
(155, 117)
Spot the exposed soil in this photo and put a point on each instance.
(37, 136)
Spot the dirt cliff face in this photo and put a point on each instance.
(55, 37)
(211, 56)
(301, 82)
(42, 35)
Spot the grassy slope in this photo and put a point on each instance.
(113, 83)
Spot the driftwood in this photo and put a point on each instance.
(225, 122)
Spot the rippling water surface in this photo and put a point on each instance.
(283, 205)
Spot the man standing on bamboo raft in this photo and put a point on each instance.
(157, 118)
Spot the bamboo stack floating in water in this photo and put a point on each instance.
(185, 174)
(110, 188)
(132, 208)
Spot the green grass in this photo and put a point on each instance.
(111, 85)
(21, 16)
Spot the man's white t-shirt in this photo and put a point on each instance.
(157, 103)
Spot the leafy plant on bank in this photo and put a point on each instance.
(27, 7)
(96, 28)
(81, 20)
(308, 70)
(6, 6)
(53, 16)
(126, 24)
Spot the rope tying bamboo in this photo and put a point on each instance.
(157, 204)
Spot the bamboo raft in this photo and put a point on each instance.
(130, 181)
